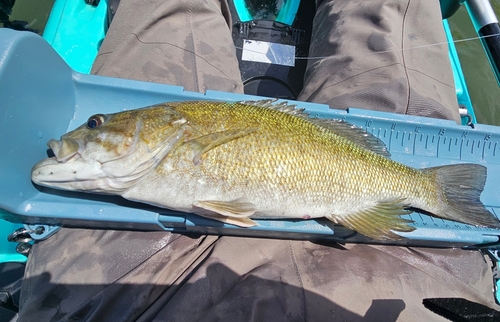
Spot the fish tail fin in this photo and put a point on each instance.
(461, 187)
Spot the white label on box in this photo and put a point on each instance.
(268, 52)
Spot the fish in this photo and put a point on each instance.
(239, 161)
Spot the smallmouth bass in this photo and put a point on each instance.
(236, 161)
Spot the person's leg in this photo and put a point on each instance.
(386, 55)
(105, 275)
(186, 43)
(157, 276)
(252, 279)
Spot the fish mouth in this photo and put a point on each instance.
(65, 149)
(51, 172)
(65, 166)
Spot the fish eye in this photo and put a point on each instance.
(94, 121)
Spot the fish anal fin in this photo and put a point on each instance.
(209, 141)
(235, 212)
(379, 221)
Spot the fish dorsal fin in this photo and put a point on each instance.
(354, 134)
(235, 212)
(378, 221)
(281, 106)
(341, 128)
(209, 141)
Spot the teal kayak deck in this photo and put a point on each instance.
(44, 101)
(76, 30)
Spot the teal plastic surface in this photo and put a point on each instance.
(497, 293)
(43, 101)
(286, 13)
(76, 30)
(242, 10)
(8, 249)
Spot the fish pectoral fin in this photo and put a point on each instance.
(378, 221)
(234, 212)
(207, 142)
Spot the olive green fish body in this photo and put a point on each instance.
(236, 161)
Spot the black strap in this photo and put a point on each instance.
(459, 309)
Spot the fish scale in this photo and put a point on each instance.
(279, 143)
(236, 161)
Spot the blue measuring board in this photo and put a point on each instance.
(43, 98)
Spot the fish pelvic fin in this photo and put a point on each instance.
(460, 189)
(379, 221)
(236, 212)
(207, 142)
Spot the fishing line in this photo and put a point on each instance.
(392, 50)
